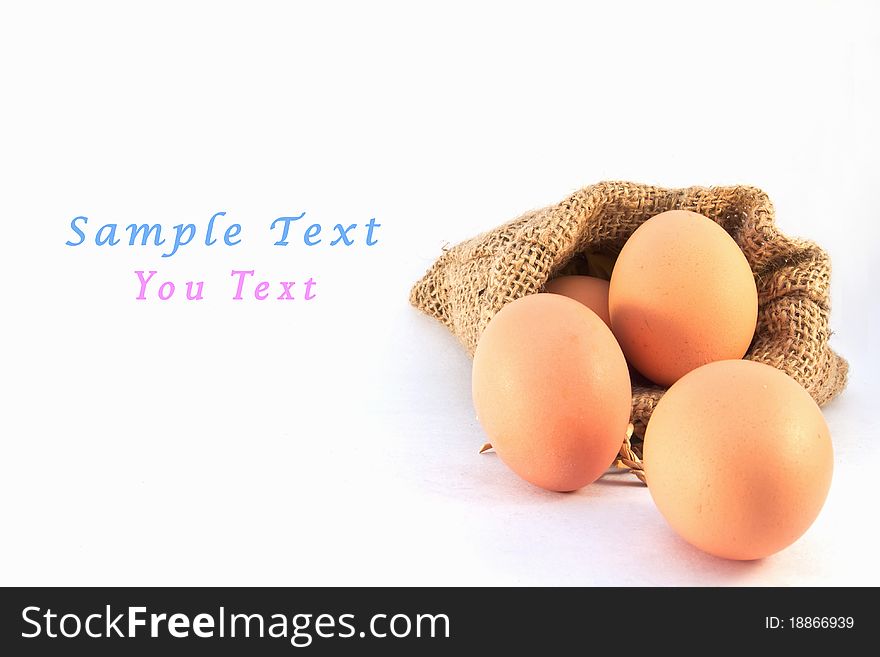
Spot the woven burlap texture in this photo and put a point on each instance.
(472, 281)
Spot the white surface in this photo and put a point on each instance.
(335, 443)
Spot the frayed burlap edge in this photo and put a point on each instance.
(472, 281)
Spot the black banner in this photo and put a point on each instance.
(115, 621)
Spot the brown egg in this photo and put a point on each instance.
(589, 290)
(682, 295)
(738, 459)
(551, 390)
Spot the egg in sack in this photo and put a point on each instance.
(589, 290)
(682, 295)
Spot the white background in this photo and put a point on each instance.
(334, 442)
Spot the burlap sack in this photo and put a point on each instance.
(472, 281)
